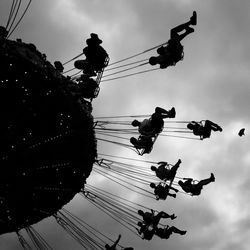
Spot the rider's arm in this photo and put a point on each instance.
(116, 242)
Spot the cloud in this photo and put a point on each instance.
(212, 82)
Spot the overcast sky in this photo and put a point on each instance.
(212, 82)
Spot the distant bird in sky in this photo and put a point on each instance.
(241, 132)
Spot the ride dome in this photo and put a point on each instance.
(47, 145)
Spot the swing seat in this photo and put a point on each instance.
(99, 77)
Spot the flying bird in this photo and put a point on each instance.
(241, 132)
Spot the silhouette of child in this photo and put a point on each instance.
(204, 131)
(173, 52)
(95, 56)
(152, 219)
(154, 125)
(162, 191)
(164, 173)
(195, 188)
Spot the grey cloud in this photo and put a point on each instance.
(211, 82)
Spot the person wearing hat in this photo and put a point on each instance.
(94, 39)
(95, 56)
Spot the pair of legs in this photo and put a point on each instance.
(164, 113)
(113, 247)
(85, 66)
(164, 233)
(167, 192)
(157, 117)
(206, 181)
(164, 215)
(151, 219)
(173, 170)
(174, 229)
(209, 125)
(174, 33)
(174, 189)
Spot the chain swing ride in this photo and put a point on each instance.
(49, 140)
